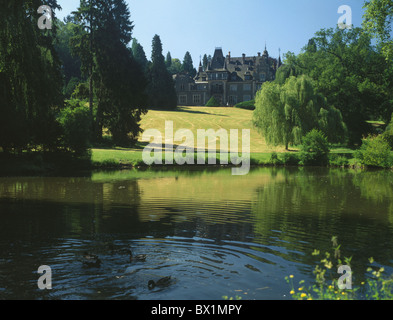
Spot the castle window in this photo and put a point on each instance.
(233, 87)
(183, 99)
(196, 98)
(182, 87)
(247, 87)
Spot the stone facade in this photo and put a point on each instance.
(229, 79)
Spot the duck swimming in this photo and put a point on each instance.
(161, 283)
(137, 258)
(91, 260)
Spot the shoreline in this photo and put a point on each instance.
(16, 166)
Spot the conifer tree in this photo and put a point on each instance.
(161, 87)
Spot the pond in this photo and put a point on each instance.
(213, 233)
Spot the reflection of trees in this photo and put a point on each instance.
(64, 206)
(310, 205)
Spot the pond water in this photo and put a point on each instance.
(215, 234)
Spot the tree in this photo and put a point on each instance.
(378, 19)
(205, 62)
(121, 84)
(176, 66)
(285, 113)
(30, 79)
(139, 54)
(188, 65)
(168, 60)
(350, 72)
(161, 87)
(71, 65)
(314, 149)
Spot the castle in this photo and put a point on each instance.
(229, 79)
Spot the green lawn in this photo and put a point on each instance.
(194, 118)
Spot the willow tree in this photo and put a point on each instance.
(285, 113)
(30, 78)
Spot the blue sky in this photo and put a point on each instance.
(242, 26)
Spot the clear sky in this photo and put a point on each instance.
(242, 26)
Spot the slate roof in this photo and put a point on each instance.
(239, 67)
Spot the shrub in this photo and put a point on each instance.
(388, 134)
(338, 160)
(213, 102)
(249, 105)
(274, 159)
(315, 149)
(290, 159)
(75, 124)
(374, 152)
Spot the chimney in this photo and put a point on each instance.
(244, 57)
(229, 54)
(259, 54)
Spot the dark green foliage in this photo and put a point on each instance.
(274, 159)
(213, 102)
(161, 88)
(290, 159)
(249, 105)
(168, 60)
(374, 152)
(30, 79)
(75, 124)
(70, 87)
(81, 91)
(71, 65)
(139, 54)
(337, 160)
(117, 82)
(315, 149)
(350, 72)
(205, 62)
(188, 65)
(388, 134)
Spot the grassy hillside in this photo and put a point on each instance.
(192, 118)
(195, 118)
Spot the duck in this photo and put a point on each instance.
(161, 283)
(136, 258)
(91, 260)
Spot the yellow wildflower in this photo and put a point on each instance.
(292, 292)
(303, 295)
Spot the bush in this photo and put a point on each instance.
(249, 105)
(338, 160)
(290, 159)
(315, 149)
(388, 134)
(374, 152)
(274, 159)
(75, 124)
(213, 102)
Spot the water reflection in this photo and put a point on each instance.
(236, 235)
